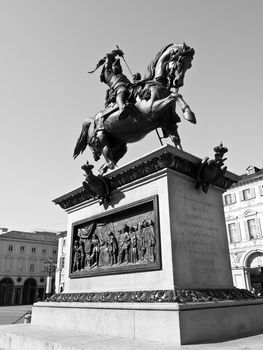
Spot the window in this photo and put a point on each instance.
(43, 267)
(230, 199)
(22, 248)
(33, 250)
(252, 228)
(234, 234)
(10, 248)
(20, 266)
(32, 267)
(247, 194)
(251, 170)
(8, 265)
(54, 252)
(44, 251)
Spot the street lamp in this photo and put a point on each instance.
(49, 266)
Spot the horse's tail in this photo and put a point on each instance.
(82, 140)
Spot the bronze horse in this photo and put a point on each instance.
(151, 105)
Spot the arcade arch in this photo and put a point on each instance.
(6, 291)
(254, 267)
(29, 294)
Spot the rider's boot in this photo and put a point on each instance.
(123, 107)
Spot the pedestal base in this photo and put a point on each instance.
(168, 235)
(167, 323)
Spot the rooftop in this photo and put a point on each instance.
(255, 174)
(36, 236)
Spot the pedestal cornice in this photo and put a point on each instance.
(165, 157)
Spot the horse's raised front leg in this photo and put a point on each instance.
(187, 113)
(163, 104)
(171, 128)
(174, 97)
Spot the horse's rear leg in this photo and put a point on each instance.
(177, 142)
(105, 167)
(109, 158)
(172, 131)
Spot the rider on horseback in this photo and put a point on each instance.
(117, 93)
(133, 109)
(118, 83)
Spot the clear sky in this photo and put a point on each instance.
(47, 47)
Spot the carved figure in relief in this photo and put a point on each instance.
(135, 109)
(125, 244)
(141, 242)
(112, 249)
(88, 251)
(76, 256)
(95, 251)
(134, 246)
(142, 250)
(152, 242)
(81, 255)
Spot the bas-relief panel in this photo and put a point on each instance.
(126, 240)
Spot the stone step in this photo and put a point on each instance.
(30, 337)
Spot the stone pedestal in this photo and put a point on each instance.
(191, 237)
(178, 289)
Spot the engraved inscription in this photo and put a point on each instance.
(198, 226)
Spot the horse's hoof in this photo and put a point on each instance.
(177, 142)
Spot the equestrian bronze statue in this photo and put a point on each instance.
(135, 108)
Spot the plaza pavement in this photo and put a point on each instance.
(9, 314)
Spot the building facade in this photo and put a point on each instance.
(243, 206)
(60, 270)
(26, 259)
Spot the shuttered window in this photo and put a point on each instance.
(230, 199)
(252, 228)
(247, 194)
(234, 233)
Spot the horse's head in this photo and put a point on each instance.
(170, 64)
(180, 59)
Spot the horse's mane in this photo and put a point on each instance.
(149, 75)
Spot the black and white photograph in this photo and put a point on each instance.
(131, 211)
